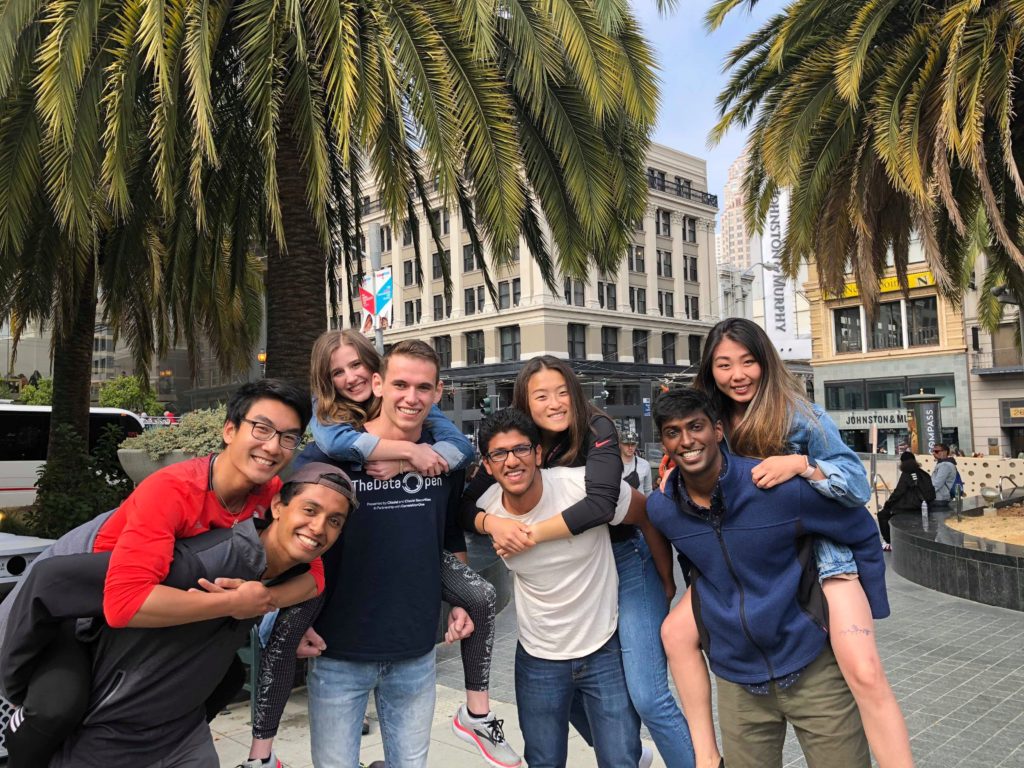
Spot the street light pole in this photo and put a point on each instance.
(375, 265)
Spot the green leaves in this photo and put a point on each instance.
(889, 120)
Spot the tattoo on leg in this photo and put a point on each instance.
(855, 630)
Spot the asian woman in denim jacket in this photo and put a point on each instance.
(767, 414)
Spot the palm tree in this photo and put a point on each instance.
(509, 108)
(886, 118)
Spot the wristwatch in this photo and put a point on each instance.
(811, 466)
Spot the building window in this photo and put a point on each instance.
(606, 296)
(471, 261)
(934, 385)
(440, 219)
(844, 396)
(385, 238)
(666, 306)
(656, 179)
(442, 308)
(682, 186)
(691, 230)
(443, 347)
(509, 336)
(668, 348)
(408, 273)
(638, 300)
(664, 263)
(846, 324)
(574, 293)
(693, 342)
(474, 300)
(885, 393)
(640, 346)
(413, 311)
(691, 269)
(509, 293)
(475, 348)
(635, 258)
(407, 232)
(517, 290)
(691, 305)
(610, 344)
(887, 330)
(662, 223)
(922, 322)
(435, 265)
(577, 335)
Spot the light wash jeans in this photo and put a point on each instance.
(338, 694)
(642, 608)
(545, 692)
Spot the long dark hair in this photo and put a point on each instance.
(766, 423)
(582, 410)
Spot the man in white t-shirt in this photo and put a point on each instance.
(566, 594)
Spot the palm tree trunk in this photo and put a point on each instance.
(296, 277)
(72, 363)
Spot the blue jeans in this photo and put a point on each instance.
(642, 608)
(338, 694)
(544, 695)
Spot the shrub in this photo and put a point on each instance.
(126, 392)
(73, 486)
(197, 433)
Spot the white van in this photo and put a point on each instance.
(24, 432)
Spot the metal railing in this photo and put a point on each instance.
(685, 192)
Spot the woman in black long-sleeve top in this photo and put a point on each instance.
(914, 486)
(576, 434)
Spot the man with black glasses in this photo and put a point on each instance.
(265, 421)
(566, 593)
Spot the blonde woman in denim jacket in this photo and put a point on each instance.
(766, 413)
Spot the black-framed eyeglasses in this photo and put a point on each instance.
(499, 455)
(264, 432)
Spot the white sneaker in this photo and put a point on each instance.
(646, 757)
(255, 762)
(487, 736)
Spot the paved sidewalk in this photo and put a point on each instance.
(957, 668)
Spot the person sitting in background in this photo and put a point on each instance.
(914, 487)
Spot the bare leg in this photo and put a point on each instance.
(852, 632)
(690, 672)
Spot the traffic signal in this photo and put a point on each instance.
(485, 406)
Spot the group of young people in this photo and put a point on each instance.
(782, 560)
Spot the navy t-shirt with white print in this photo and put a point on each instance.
(383, 592)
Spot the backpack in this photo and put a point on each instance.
(924, 485)
(957, 488)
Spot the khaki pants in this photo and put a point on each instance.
(820, 708)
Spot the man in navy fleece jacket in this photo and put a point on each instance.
(759, 609)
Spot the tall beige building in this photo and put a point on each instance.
(734, 238)
(623, 333)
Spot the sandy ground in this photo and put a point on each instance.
(1006, 525)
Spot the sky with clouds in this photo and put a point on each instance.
(691, 73)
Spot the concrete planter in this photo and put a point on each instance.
(138, 466)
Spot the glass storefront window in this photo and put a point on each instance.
(847, 329)
(934, 385)
(887, 330)
(885, 393)
(844, 396)
(923, 322)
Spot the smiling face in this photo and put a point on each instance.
(349, 374)
(517, 475)
(259, 460)
(407, 391)
(549, 400)
(692, 443)
(308, 524)
(737, 373)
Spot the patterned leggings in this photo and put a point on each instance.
(461, 587)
